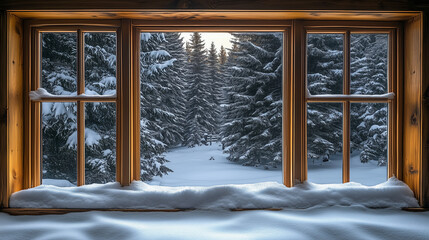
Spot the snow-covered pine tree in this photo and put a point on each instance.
(100, 118)
(253, 109)
(324, 76)
(222, 56)
(200, 114)
(173, 85)
(369, 63)
(216, 85)
(153, 64)
(58, 76)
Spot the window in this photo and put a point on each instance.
(118, 127)
(75, 140)
(210, 115)
(351, 103)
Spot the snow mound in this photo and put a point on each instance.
(57, 182)
(39, 94)
(393, 194)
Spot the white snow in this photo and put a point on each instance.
(390, 95)
(41, 94)
(198, 182)
(91, 138)
(352, 223)
(192, 167)
(57, 182)
(331, 172)
(393, 193)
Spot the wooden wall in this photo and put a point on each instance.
(11, 105)
(416, 70)
(217, 4)
(424, 199)
(412, 105)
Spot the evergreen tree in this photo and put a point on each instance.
(153, 64)
(58, 76)
(324, 76)
(215, 86)
(369, 63)
(253, 110)
(200, 114)
(222, 56)
(173, 85)
(100, 132)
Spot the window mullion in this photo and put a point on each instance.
(346, 109)
(80, 110)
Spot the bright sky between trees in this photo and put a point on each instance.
(219, 39)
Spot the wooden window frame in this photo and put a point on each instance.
(17, 172)
(33, 145)
(294, 169)
(346, 98)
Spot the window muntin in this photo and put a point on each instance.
(222, 120)
(366, 80)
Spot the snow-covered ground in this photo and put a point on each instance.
(193, 167)
(310, 211)
(317, 223)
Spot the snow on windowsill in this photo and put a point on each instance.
(351, 96)
(139, 195)
(41, 93)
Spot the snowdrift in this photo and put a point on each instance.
(392, 193)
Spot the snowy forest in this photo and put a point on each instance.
(193, 96)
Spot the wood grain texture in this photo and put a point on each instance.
(11, 105)
(424, 201)
(412, 124)
(216, 15)
(3, 113)
(126, 102)
(299, 119)
(213, 4)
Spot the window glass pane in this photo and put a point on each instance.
(58, 73)
(211, 113)
(325, 60)
(369, 63)
(59, 137)
(100, 142)
(369, 141)
(324, 142)
(100, 63)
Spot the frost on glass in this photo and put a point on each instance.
(369, 142)
(59, 137)
(210, 113)
(100, 63)
(369, 63)
(325, 59)
(100, 142)
(324, 142)
(58, 63)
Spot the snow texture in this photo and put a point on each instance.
(393, 193)
(326, 223)
(352, 223)
(41, 93)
